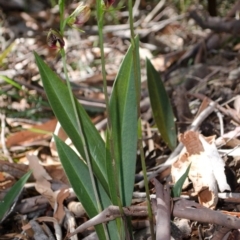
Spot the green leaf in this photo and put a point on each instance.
(10, 81)
(61, 4)
(177, 188)
(79, 178)
(7, 50)
(124, 115)
(111, 172)
(161, 106)
(12, 195)
(60, 101)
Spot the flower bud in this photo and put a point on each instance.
(55, 39)
(79, 16)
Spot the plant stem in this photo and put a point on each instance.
(137, 86)
(130, 9)
(61, 4)
(100, 16)
(63, 54)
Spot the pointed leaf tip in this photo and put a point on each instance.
(161, 106)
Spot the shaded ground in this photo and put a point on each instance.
(197, 57)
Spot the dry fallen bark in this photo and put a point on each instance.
(182, 209)
(31, 205)
(109, 214)
(220, 232)
(17, 170)
(40, 234)
(196, 212)
(163, 211)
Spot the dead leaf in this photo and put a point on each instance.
(59, 212)
(36, 133)
(43, 186)
(207, 198)
(6, 180)
(217, 164)
(207, 167)
(162, 62)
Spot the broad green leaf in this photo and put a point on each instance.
(124, 115)
(79, 178)
(113, 183)
(177, 188)
(59, 99)
(161, 106)
(12, 195)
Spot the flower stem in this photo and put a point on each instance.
(137, 77)
(115, 196)
(61, 4)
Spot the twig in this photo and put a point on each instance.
(182, 208)
(3, 142)
(110, 214)
(155, 10)
(196, 212)
(163, 211)
(202, 116)
(220, 232)
(220, 118)
(135, 8)
(230, 113)
(230, 197)
(70, 222)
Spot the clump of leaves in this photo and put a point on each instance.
(102, 173)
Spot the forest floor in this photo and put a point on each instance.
(197, 57)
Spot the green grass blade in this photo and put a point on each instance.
(79, 177)
(10, 81)
(12, 195)
(177, 188)
(7, 50)
(123, 113)
(161, 106)
(59, 99)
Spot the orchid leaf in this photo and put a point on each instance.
(161, 106)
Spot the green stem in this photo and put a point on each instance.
(144, 169)
(100, 17)
(61, 4)
(130, 9)
(137, 86)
